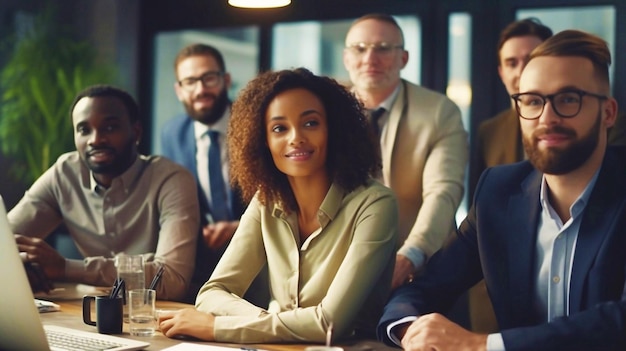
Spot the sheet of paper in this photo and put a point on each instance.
(185, 346)
(46, 306)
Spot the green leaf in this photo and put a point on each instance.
(47, 68)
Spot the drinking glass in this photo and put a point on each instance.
(142, 312)
(131, 269)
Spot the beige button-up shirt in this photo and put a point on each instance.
(151, 209)
(340, 274)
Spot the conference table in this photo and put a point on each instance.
(71, 309)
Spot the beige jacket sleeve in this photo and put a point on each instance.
(424, 163)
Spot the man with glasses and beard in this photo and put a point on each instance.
(546, 234)
(197, 140)
(112, 200)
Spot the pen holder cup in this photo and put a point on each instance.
(109, 315)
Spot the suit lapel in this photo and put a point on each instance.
(523, 209)
(597, 223)
(388, 140)
(189, 148)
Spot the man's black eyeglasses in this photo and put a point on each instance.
(566, 104)
(209, 80)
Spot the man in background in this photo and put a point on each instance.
(197, 140)
(423, 142)
(112, 200)
(499, 138)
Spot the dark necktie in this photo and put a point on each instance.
(219, 200)
(374, 117)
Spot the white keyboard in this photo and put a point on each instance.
(66, 339)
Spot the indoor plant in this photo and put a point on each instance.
(46, 69)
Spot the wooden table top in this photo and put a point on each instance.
(71, 316)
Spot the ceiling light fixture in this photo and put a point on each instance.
(259, 4)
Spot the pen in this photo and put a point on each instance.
(157, 277)
(117, 287)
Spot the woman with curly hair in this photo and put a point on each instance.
(302, 153)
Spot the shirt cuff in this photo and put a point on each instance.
(390, 333)
(415, 255)
(495, 342)
(74, 269)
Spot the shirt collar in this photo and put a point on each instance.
(328, 209)
(388, 102)
(577, 207)
(126, 179)
(200, 129)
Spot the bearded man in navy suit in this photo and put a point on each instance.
(548, 234)
(202, 84)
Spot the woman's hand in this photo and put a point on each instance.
(187, 322)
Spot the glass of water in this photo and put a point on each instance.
(142, 312)
(131, 269)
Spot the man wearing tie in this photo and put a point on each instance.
(423, 143)
(196, 140)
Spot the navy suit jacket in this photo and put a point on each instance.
(178, 143)
(497, 241)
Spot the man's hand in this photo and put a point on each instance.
(187, 322)
(403, 272)
(217, 234)
(37, 251)
(434, 332)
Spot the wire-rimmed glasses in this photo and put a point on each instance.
(209, 80)
(382, 48)
(565, 104)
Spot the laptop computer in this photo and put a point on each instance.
(19, 319)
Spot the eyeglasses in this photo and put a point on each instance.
(566, 104)
(381, 49)
(209, 80)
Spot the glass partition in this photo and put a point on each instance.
(459, 87)
(598, 20)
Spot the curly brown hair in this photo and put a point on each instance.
(353, 153)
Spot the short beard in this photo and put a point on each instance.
(122, 161)
(562, 161)
(212, 115)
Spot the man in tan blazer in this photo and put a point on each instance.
(499, 138)
(423, 142)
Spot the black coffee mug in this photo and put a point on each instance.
(109, 315)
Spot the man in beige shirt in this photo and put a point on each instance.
(111, 200)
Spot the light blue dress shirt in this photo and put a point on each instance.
(556, 243)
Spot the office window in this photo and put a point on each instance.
(459, 87)
(598, 20)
